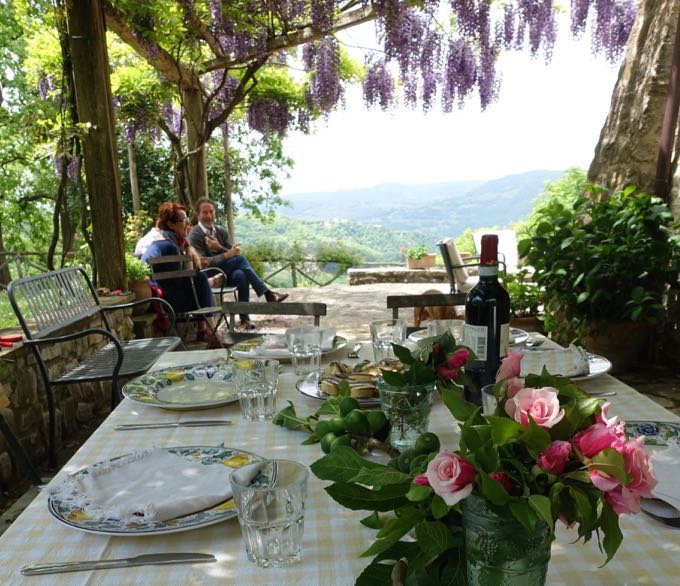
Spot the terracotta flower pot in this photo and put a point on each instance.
(140, 287)
(623, 343)
(423, 262)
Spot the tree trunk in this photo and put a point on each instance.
(134, 183)
(228, 187)
(197, 181)
(627, 150)
(5, 275)
(87, 40)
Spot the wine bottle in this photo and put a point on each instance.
(487, 321)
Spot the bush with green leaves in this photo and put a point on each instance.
(603, 260)
(526, 297)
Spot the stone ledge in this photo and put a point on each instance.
(396, 275)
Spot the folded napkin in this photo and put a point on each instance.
(146, 486)
(666, 464)
(327, 338)
(572, 361)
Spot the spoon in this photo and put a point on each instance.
(661, 510)
(534, 342)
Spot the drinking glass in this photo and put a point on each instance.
(304, 344)
(439, 326)
(256, 382)
(383, 334)
(271, 511)
(408, 410)
(489, 400)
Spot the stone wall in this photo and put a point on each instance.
(396, 275)
(22, 384)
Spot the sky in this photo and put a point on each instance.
(546, 117)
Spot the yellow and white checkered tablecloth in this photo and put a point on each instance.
(333, 536)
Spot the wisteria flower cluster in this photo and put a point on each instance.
(549, 453)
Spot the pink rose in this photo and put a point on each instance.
(598, 437)
(512, 386)
(510, 366)
(450, 476)
(554, 458)
(421, 480)
(542, 404)
(447, 373)
(459, 358)
(638, 463)
(504, 479)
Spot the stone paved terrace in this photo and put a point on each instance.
(351, 308)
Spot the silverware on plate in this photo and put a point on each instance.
(197, 423)
(152, 559)
(355, 351)
(603, 394)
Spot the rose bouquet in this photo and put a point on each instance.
(549, 453)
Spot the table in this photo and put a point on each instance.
(333, 540)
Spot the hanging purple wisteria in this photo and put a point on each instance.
(440, 50)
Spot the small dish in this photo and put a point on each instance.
(598, 365)
(311, 389)
(182, 388)
(517, 336)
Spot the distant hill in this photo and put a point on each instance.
(446, 208)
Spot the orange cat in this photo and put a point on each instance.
(421, 314)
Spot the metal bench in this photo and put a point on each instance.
(62, 298)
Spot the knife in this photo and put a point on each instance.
(154, 559)
(197, 423)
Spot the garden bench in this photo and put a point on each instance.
(58, 299)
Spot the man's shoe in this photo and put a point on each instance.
(274, 297)
(245, 325)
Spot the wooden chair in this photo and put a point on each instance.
(187, 273)
(397, 302)
(47, 303)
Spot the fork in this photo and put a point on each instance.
(355, 351)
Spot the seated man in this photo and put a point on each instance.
(212, 242)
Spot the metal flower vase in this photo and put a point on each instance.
(499, 550)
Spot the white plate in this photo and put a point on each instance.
(71, 515)
(181, 388)
(599, 365)
(251, 349)
(517, 336)
(311, 389)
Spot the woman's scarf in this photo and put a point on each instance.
(181, 243)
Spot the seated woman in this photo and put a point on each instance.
(173, 225)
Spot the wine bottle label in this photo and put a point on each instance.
(505, 340)
(476, 339)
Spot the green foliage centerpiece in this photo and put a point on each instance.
(548, 453)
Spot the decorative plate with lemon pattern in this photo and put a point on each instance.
(74, 517)
(181, 388)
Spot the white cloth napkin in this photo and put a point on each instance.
(667, 470)
(572, 361)
(149, 485)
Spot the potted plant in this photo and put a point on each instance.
(138, 280)
(526, 301)
(605, 265)
(417, 257)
